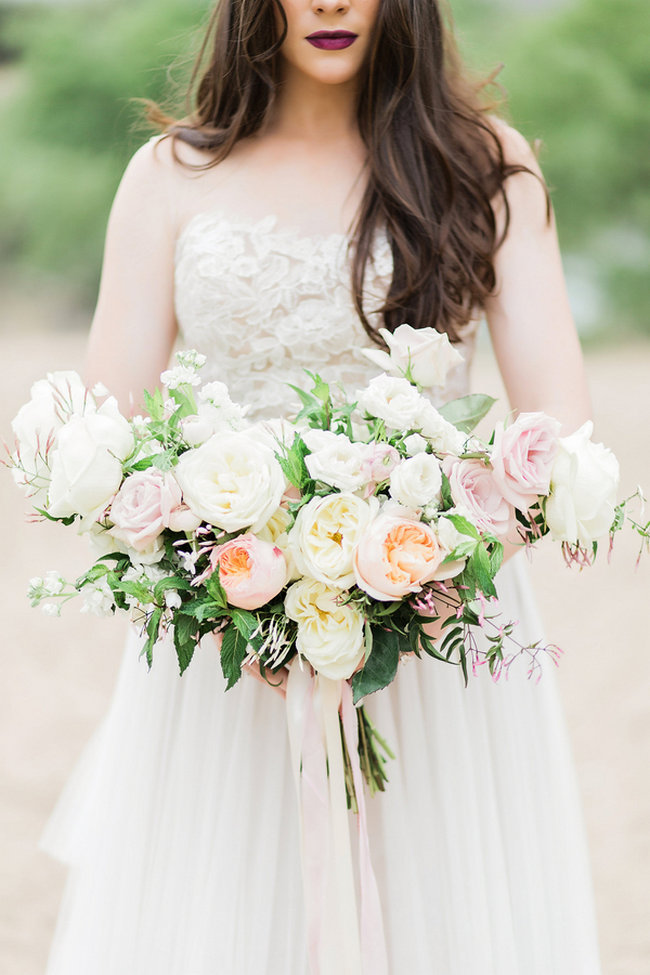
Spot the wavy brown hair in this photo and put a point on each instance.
(434, 163)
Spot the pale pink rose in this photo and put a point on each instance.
(395, 556)
(147, 503)
(251, 571)
(478, 496)
(523, 456)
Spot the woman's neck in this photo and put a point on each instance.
(308, 110)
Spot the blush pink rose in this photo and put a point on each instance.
(250, 570)
(395, 556)
(147, 503)
(478, 495)
(523, 456)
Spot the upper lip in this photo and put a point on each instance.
(332, 33)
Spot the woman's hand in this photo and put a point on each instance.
(276, 680)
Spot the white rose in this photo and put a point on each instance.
(87, 462)
(423, 354)
(52, 402)
(330, 635)
(336, 460)
(325, 535)
(415, 444)
(417, 481)
(443, 436)
(393, 400)
(584, 483)
(231, 481)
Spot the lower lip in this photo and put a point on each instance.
(331, 43)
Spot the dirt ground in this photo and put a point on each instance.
(58, 674)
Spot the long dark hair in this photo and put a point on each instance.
(434, 160)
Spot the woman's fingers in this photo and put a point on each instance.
(276, 680)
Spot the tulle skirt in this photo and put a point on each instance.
(180, 826)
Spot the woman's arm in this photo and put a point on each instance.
(134, 326)
(530, 321)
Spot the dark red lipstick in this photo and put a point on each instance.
(332, 40)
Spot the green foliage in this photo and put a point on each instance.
(577, 74)
(72, 125)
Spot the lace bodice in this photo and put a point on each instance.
(264, 303)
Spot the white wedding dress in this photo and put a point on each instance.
(180, 824)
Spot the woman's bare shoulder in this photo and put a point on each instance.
(517, 150)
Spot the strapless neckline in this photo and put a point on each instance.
(268, 224)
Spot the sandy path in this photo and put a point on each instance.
(57, 675)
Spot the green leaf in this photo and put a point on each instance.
(216, 590)
(154, 404)
(234, 650)
(185, 637)
(464, 526)
(381, 666)
(176, 583)
(135, 589)
(467, 411)
(292, 461)
(203, 610)
(481, 571)
(247, 625)
(152, 635)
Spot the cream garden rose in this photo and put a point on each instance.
(325, 535)
(53, 401)
(86, 464)
(330, 633)
(231, 481)
(423, 354)
(584, 483)
(336, 460)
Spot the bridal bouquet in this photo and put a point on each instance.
(339, 536)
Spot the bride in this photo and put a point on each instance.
(337, 173)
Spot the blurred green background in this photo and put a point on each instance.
(577, 75)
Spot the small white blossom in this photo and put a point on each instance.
(179, 376)
(99, 390)
(191, 359)
(172, 599)
(54, 583)
(51, 609)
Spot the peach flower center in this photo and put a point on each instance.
(408, 551)
(235, 563)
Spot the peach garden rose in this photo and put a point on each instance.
(251, 571)
(395, 556)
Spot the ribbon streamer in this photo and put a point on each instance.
(335, 946)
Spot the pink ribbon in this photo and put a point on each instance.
(336, 943)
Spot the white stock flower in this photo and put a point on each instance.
(231, 481)
(179, 376)
(325, 535)
(584, 483)
(87, 462)
(393, 400)
(97, 598)
(330, 635)
(336, 460)
(417, 481)
(54, 583)
(423, 354)
(443, 436)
